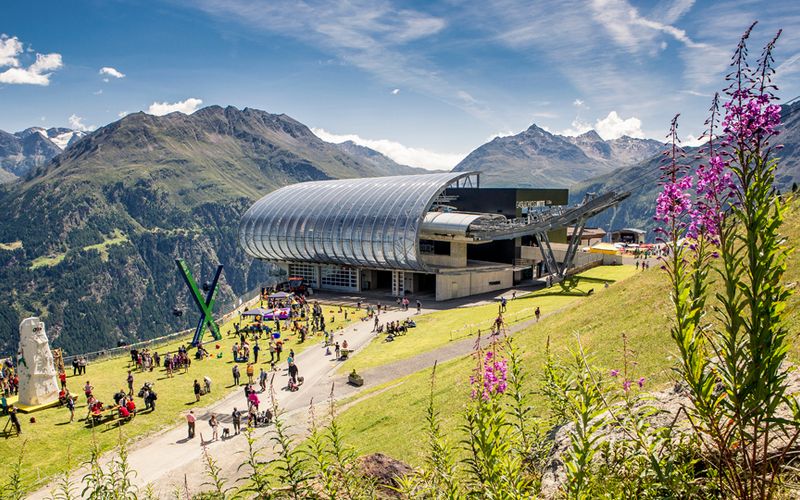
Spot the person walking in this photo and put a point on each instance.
(214, 423)
(419, 306)
(538, 313)
(271, 350)
(197, 390)
(236, 374)
(71, 407)
(130, 383)
(236, 418)
(207, 384)
(278, 349)
(262, 380)
(87, 389)
(62, 376)
(250, 372)
(256, 349)
(293, 371)
(190, 420)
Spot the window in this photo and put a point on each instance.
(338, 278)
(431, 247)
(307, 271)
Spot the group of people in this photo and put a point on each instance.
(9, 380)
(175, 361)
(144, 360)
(79, 365)
(645, 265)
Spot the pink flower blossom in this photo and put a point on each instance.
(614, 373)
(492, 375)
(626, 385)
(641, 382)
(675, 200)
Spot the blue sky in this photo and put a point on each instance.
(425, 82)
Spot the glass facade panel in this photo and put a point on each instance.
(370, 222)
(307, 271)
(338, 278)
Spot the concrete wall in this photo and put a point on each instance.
(463, 284)
(457, 257)
(581, 258)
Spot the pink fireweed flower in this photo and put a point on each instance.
(614, 373)
(491, 378)
(626, 385)
(756, 117)
(675, 200)
(713, 185)
(641, 382)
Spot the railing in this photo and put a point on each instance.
(241, 302)
(487, 325)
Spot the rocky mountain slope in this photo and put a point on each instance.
(378, 159)
(88, 241)
(537, 158)
(22, 151)
(637, 211)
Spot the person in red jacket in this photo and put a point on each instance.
(131, 406)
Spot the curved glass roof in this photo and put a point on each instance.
(371, 222)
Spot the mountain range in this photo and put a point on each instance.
(538, 158)
(22, 151)
(88, 239)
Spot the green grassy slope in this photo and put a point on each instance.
(392, 421)
(437, 329)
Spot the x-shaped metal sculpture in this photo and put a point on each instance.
(206, 305)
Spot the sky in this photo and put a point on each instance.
(423, 82)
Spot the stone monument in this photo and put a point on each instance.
(38, 380)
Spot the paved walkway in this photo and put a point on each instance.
(169, 459)
(166, 458)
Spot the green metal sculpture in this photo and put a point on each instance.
(206, 305)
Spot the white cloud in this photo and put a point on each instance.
(577, 127)
(395, 91)
(106, 70)
(76, 123)
(10, 48)
(187, 107)
(405, 155)
(122, 114)
(98, 92)
(38, 73)
(506, 133)
(692, 141)
(578, 103)
(611, 127)
(376, 37)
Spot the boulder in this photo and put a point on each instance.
(384, 470)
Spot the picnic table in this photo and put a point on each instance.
(107, 415)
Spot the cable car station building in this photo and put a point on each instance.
(432, 233)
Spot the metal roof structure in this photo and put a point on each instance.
(371, 222)
(456, 223)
